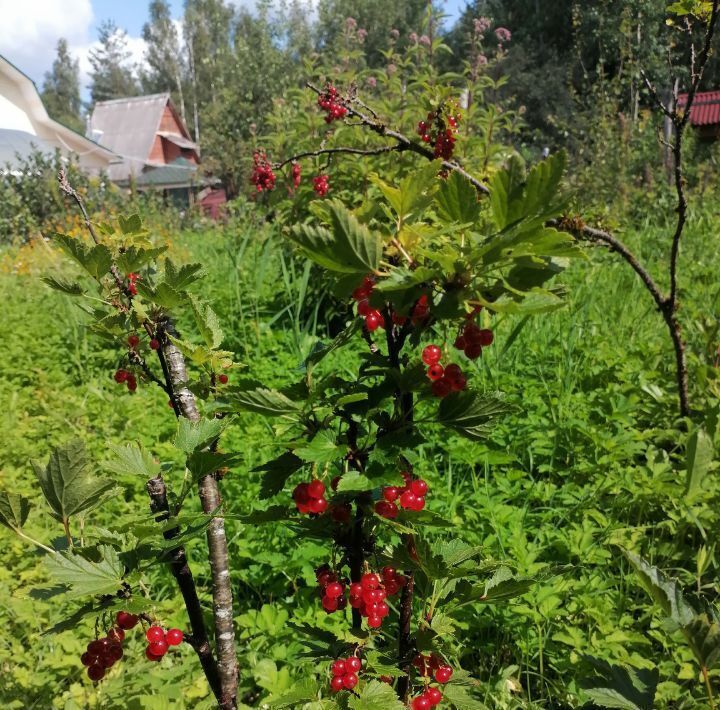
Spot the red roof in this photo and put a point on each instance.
(705, 110)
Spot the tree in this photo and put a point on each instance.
(165, 63)
(376, 17)
(61, 88)
(112, 77)
(207, 34)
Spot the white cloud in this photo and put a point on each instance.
(29, 31)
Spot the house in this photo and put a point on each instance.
(25, 127)
(156, 150)
(704, 113)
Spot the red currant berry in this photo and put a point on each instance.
(154, 344)
(373, 321)
(121, 375)
(391, 493)
(338, 667)
(125, 620)
(223, 379)
(159, 648)
(441, 388)
(375, 621)
(350, 680)
(431, 354)
(453, 371)
(407, 499)
(419, 504)
(317, 505)
(151, 656)
(370, 581)
(87, 658)
(443, 674)
(356, 589)
(131, 383)
(435, 372)
(133, 340)
(419, 487)
(334, 590)
(336, 683)
(353, 664)
(154, 633)
(420, 703)
(485, 337)
(473, 351)
(460, 342)
(382, 610)
(330, 604)
(388, 573)
(316, 489)
(96, 672)
(386, 510)
(174, 637)
(434, 696)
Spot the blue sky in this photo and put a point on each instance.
(30, 29)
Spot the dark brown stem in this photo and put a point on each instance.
(405, 641)
(217, 542)
(332, 151)
(177, 560)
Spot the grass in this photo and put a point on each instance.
(592, 457)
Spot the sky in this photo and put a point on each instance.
(30, 29)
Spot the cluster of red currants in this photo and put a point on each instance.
(329, 102)
(321, 185)
(310, 497)
(373, 318)
(440, 131)
(444, 379)
(159, 641)
(132, 279)
(331, 589)
(411, 497)
(368, 597)
(103, 653)
(430, 665)
(344, 673)
(262, 176)
(295, 174)
(473, 339)
(125, 376)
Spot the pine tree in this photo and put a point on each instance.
(61, 88)
(165, 69)
(112, 77)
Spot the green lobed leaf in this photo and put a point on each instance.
(277, 473)
(322, 449)
(665, 592)
(95, 259)
(457, 200)
(133, 460)
(14, 510)
(67, 483)
(348, 247)
(207, 322)
(196, 435)
(202, 463)
(459, 696)
(85, 577)
(471, 413)
(623, 687)
(703, 635)
(181, 278)
(130, 225)
(375, 695)
(66, 287)
(134, 258)
(300, 693)
(263, 401)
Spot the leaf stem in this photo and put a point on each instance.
(708, 687)
(66, 527)
(39, 544)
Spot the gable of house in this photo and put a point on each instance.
(25, 122)
(145, 130)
